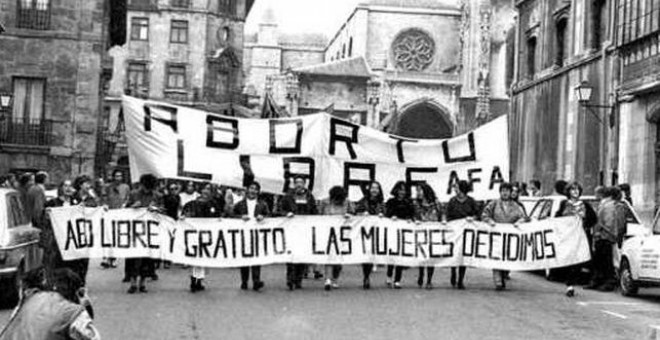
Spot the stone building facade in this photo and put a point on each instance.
(52, 60)
(637, 41)
(432, 69)
(270, 52)
(187, 52)
(560, 45)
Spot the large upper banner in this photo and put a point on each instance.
(93, 232)
(177, 142)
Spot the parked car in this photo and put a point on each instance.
(639, 266)
(548, 206)
(19, 248)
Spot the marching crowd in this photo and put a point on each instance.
(62, 283)
(605, 225)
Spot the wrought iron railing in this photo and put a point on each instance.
(26, 132)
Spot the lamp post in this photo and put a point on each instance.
(292, 89)
(373, 99)
(583, 93)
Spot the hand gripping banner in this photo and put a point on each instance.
(177, 142)
(94, 233)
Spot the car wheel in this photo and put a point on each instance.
(626, 282)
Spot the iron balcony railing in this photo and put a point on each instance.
(26, 132)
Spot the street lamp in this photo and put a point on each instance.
(5, 104)
(583, 93)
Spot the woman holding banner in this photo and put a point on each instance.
(145, 197)
(203, 207)
(371, 204)
(251, 207)
(573, 206)
(337, 204)
(461, 206)
(299, 201)
(427, 209)
(400, 206)
(503, 210)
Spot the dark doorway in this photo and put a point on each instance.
(424, 120)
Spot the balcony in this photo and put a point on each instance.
(35, 132)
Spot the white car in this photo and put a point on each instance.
(19, 248)
(548, 206)
(640, 261)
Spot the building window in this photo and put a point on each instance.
(560, 32)
(227, 6)
(33, 14)
(343, 51)
(531, 57)
(176, 77)
(636, 19)
(180, 3)
(413, 50)
(350, 46)
(179, 32)
(29, 94)
(140, 29)
(137, 77)
(599, 29)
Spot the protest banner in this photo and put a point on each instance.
(93, 232)
(177, 142)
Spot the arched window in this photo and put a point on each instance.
(560, 41)
(531, 56)
(343, 51)
(599, 23)
(350, 46)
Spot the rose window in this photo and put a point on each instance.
(413, 50)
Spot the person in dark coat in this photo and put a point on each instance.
(251, 207)
(52, 258)
(371, 204)
(298, 201)
(400, 206)
(202, 207)
(36, 199)
(461, 206)
(145, 197)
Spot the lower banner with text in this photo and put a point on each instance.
(94, 232)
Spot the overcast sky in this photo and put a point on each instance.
(300, 16)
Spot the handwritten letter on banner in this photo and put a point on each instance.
(92, 232)
(176, 142)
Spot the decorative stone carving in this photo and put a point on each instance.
(413, 50)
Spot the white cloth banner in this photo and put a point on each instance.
(92, 232)
(177, 142)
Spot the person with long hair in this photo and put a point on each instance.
(400, 206)
(298, 201)
(574, 206)
(202, 207)
(372, 203)
(52, 258)
(337, 204)
(427, 209)
(461, 206)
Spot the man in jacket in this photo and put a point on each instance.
(251, 207)
(609, 230)
(54, 314)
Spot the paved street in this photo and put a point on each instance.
(532, 309)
